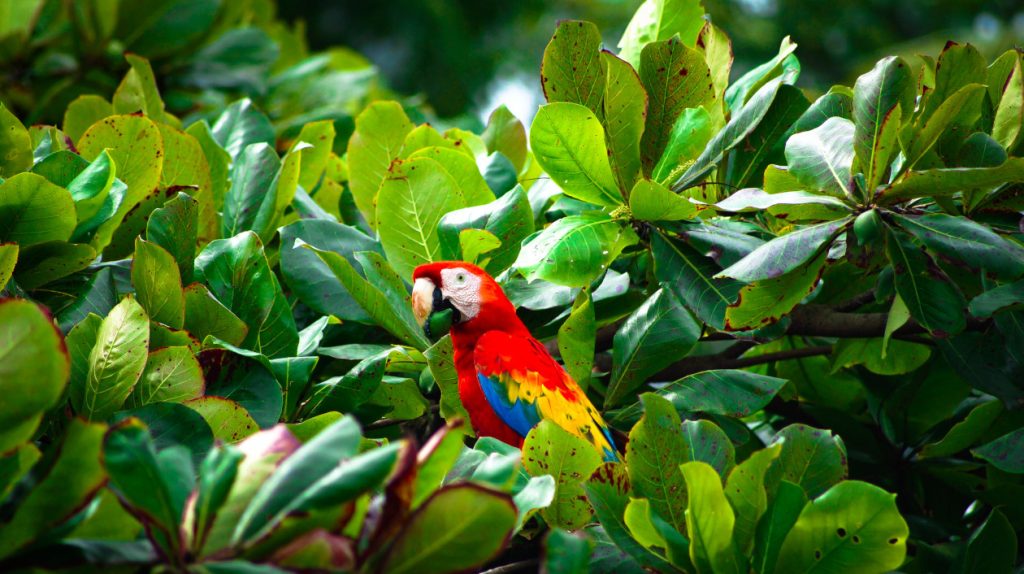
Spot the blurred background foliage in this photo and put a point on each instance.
(465, 56)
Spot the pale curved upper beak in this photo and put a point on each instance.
(422, 299)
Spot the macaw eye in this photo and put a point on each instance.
(460, 278)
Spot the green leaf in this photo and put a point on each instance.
(837, 103)
(655, 335)
(904, 356)
(933, 300)
(216, 477)
(743, 122)
(709, 521)
(691, 131)
(608, 489)
(172, 374)
(186, 165)
(566, 553)
(319, 135)
(576, 339)
(625, 109)
(62, 492)
(241, 125)
(969, 242)
(174, 228)
(965, 433)
(470, 186)
(660, 20)
(251, 197)
(1008, 297)
(821, 158)
(1009, 116)
(942, 121)
(944, 182)
(229, 422)
(46, 262)
(717, 48)
(747, 495)
(766, 144)
(652, 531)
(91, 187)
(206, 316)
(408, 210)
(509, 218)
(783, 66)
(217, 160)
(689, 274)
(309, 278)
(654, 452)
(137, 148)
(83, 112)
(246, 378)
(158, 284)
(460, 527)
(957, 66)
(138, 91)
(398, 321)
(786, 253)
(440, 359)
(380, 131)
(239, 276)
(347, 392)
(787, 204)
(8, 259)
(676, 77)
(575, 250)
(505, 134)
(115, 363)
(549, 449)
(33, 210)
(854, 527)
(569, 143)
(651, 201)
(312, 461)
(876, 97)
(723, 392)
(812, 458)
(783, 511)
(16, 143)
(572, 69)
(764, 302)
(992, 547)
(1005, 453)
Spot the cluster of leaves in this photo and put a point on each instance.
(200, 320)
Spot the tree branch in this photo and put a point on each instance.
(822, 321)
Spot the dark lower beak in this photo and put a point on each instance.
(442, 316)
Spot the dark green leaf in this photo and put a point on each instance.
(509, 218)
(240, 126)
(812, 458)
(971, 243)
(574, 250)
(786, 253)
(690, 276)
(821, 158)
(33, 210)
(877, 97)
(158, 284)
(783, 511)
(933, 300)
(625, 109)
(572, 69)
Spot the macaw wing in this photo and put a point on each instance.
(524, 386)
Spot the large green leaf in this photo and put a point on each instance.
(709, 521)
(576, 339)
(812, 458)
(659, 333)
(239, 275)
(766, 144)
(944, 182)
(206, 316)
(654, 452)
(879, 98)
(575, 250)
(227, 419)
(724, 392)
(572, 69)
(608, 490)
(8, 259)
(965, 433)
(549, 449)
(821, 158)
(625, 109)
(854, 527)
(1005, 453)
(174, 227)
(992, 546)
(470, 186)
(651, 201)
(241, 125)
(62, 492)
(90, 188)
(115, 363)
(172, 374)
(971, 243)
(967, 100)
(158, 284)
(933, 300)
(34, 369)
(786, 253)
(569, 143)
(251, 196)
(509, 218)
(660, 20)
(782, 513)
(186, 165)
(33, 210)
(958, 65)
(783, 66)
(347, 392)
(380, 131)
(765, 301)
(566, 553)
(397, 320)
(790, 205)
(837, 103)
(743, 122)
(409, 206)
(459, 528)
(691, 131)
(44, 263)
(16, 143)
(690, 275)
(676, 77)
(138, 91)
(747, 495)
(1009, 117)
(505, 134)
(246, 378)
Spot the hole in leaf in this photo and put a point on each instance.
(841, 532)
(817, 554)
(856, 539)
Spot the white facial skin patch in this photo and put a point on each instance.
(462, 288)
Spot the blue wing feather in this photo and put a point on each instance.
(520, 415)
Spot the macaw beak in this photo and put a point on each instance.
(433, 311)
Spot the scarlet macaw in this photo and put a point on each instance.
(508, 382)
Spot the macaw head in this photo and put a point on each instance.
(463, 291)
